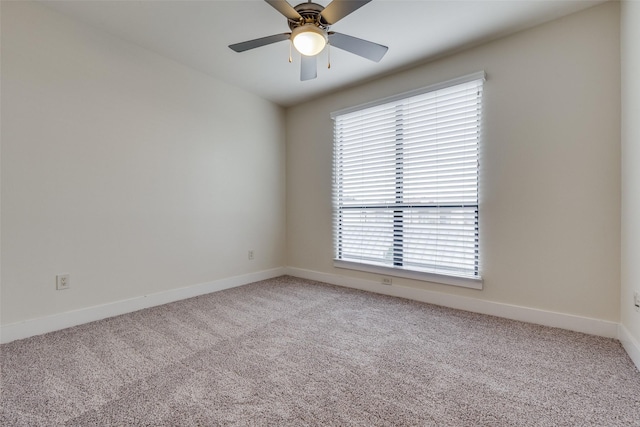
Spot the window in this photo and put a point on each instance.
(406, 184)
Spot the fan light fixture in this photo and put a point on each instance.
(308, 39)
(309, 23)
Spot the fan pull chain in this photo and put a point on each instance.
(329, 55)
(290, 58)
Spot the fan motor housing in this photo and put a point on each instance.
(311, 14)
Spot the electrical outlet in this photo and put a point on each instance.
(250, 255)
(387, 281)
(62, 282)
(636, 300)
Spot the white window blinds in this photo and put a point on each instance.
(406, 182)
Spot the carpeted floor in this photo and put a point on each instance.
(293, 352)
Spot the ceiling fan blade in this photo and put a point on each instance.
(263, 41)
(284, 8)
(338, 9)
(364, 48)
(308, 67)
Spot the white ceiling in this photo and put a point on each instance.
(197, 34)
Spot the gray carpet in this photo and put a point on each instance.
(293, 352)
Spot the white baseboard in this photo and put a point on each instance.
(28, 328)
(525, 314)
(630, 345)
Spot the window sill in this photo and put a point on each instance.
(464, 282)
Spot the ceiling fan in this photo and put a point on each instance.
(309, 23)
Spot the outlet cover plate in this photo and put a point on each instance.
(62, 282)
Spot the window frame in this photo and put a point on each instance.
(474, 282)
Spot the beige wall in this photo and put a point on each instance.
(630, 41)
(550, 171)
(130, 172)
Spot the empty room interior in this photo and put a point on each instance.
(433, 219)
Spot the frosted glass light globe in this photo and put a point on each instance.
(309, 40)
